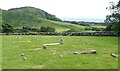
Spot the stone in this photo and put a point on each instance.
(44, 46)
(24, 58)
(75, 53)
(22, 54)
(62, 41)
(114, 55)
(89, 52)
(86, 52)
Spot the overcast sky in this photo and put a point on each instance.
(86, 10)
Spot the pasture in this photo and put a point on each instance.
(58, 56)
(0, 52)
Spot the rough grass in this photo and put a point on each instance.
(59, 56)
(0, 52)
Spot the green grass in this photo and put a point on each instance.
(59, 26)
(12, 48)
(100, 26)
(0, 52)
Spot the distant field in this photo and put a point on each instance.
(99, 26)
(58, 56)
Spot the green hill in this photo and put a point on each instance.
(33, 17)
(26, 15)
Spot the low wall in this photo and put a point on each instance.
(68, 34)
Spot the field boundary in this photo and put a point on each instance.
(67, 34)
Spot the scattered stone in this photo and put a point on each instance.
(22, 54)
(51, 44)
(54, 53)
(62, 41)
(114, 55)
(86, 52)
(89, 52)
(44, 46)
(37, 49)
(61, 55)
(24, 58)
(18, 37)
(24, 41)
(29, 41)
(75, 53)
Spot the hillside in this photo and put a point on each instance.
(59, 26)
(26, 15)
(33, 17)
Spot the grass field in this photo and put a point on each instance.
(58, 56)
(0, 53)
(59, 26)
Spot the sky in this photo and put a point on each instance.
(78, 10)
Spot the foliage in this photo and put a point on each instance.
(94, 28)
(84, 24)
(27, 29)
(108, 28)
(6, 28)
(47, 29)
(113, 20)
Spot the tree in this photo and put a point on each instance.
(47, 29)
(50, 29)
(43, 29)
(113, 20)
(6, 28)
(25, 29)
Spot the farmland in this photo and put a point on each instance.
(58, 56)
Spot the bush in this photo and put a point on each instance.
(47, 29)
(7, 28)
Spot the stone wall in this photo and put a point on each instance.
(68, 34)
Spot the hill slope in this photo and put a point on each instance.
(26, 15)
(33, 17)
